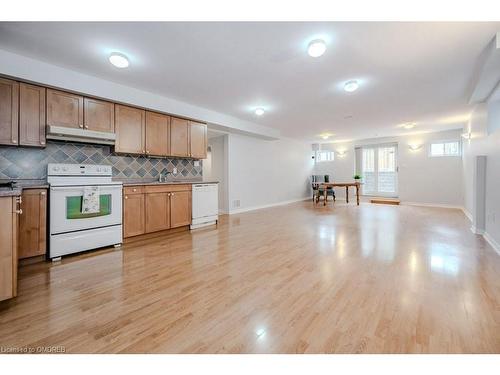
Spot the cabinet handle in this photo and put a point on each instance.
(86, 126)
(134, 190)
(126, 197)
(19, 200)
(172, 194)
(143, 151)
(42, 142)
(19, 212)
(42, 193)
(81, 126)
(14, 141)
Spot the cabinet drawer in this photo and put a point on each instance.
(130, 190)
(167, 188)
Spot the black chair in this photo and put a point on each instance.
(315, 180)
(329, 190)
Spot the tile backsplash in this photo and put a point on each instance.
(31, 163)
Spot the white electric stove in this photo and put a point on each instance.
(71, 229)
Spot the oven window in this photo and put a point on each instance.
(74, 207)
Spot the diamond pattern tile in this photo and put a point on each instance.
(31, 163)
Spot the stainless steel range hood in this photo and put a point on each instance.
(80, 135)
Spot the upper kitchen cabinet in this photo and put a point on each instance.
(197, 140)
(157, 134)
(130, 129)
(179, 137)
(64, 109)
(31, 115)
(9, 111)
(99, 115)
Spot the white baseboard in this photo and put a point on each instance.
(246, 209)
(474, 230)
(494, 244)
(436, 205)
(467, 214)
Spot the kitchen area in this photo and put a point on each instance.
(79, 173)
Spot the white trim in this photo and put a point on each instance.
(494, 244)
(246, 209)
(474, 230)
(467, 214)
(436, 205)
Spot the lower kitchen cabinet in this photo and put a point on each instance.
(8, 246)
(157, 212)
(133, 213)
(180, 208)
(33, 223)
(155, 208)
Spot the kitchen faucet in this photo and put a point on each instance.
(163, 176)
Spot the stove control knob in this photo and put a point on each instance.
(55, 169)
(98, 169)
(64, 169)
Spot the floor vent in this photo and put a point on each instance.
(385, 201)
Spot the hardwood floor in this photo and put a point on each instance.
(290, 279)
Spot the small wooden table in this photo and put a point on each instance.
(326, 185)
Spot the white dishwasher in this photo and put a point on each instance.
(205, 205)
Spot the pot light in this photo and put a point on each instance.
(316, 48)
(407, 125)
(259, 111)
(119, 60)
(351, 86)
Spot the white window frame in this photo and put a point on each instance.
(459, 148)
(331, 156)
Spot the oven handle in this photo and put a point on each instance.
(107, 187)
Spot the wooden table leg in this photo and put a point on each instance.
(357, 194)
(347, 194)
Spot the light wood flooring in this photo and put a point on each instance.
(289, 279)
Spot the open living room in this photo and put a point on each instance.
(249, 187)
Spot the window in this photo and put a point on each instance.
(324, 156)
(451, 148)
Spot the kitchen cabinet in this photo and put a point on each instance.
(133, 212)
(179, 137)
(33, 223)
(197, 140)
(99, 115)
(64, 109)
(31, 115)
(130, 129)
(154, 208)
(180, 208)
(157, 212)
(8, 246)
(9, 112)
(157, 134)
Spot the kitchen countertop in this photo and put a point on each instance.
(20, 185)
(149, 181)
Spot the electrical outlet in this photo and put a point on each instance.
(174, 171)
(196, 163)
(236, 203)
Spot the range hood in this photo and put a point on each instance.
(80, 135)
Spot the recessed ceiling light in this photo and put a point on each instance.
(119, 60)
(351, 86)
(326, 135)
(408, 125)
(316, 48)
(259, 111)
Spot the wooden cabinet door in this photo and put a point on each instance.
(180, 208)
(179, 137)
(31, 115)
(133, 215)
(198, 140)
(9, 111)
(99, 115)
(130, 129)
(8, 247)
(157, 134)
(33, 223)
(157, 212)
(64, 109)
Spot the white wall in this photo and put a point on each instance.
(421, 179)
(485, 128)
(215, 168)
(265, 173)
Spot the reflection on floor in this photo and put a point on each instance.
(288, 279)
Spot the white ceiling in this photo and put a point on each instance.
(418, 72)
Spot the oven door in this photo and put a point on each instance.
(66, 208)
